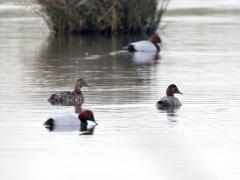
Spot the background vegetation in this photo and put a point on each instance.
(103, 16)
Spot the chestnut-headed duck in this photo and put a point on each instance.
(70, 122)
(170, 101)
(150, 45)
(74, 97)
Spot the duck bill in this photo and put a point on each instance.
(179, 92)
(93, 120)
(95, 123)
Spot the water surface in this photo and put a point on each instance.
(133, 140)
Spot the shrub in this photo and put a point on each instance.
(103, 16)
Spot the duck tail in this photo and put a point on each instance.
(54, 99)
(161, 105)
(130, 48)
(49, 124)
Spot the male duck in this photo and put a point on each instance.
(70, 122)
(169, 101)
(69, 97)
(152, 45)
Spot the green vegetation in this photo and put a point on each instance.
(103, 16)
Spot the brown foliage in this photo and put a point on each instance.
(104, 16)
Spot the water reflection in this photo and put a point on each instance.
(171, 113)
(83, 47)
(86, 130)
(145, 58)
(63, 59)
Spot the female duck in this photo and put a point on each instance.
(70, 122)
(69, 97)
(152, 45)
(169, 101)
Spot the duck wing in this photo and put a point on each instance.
(163, 103)
(143, 46)
(66, 98)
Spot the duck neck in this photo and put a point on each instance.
(84, 122)
(78, 91)
(169, 92)
(157, 46)
(83, 125)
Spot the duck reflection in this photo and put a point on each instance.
(171, 113)
(145, 57)
(86, 130)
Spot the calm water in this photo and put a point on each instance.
(133, 139)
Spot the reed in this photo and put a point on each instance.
(103, 16)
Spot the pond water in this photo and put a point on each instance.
(134, 140)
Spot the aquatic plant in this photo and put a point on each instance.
(103, 16)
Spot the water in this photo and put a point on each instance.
(133, 140)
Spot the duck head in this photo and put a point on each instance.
(155, 39)
(79, 84)
(86, 115)
(172, 89)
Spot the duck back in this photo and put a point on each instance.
(65, 120)
(66, 98)
(68, 123)
(143, 46)
(167, 102)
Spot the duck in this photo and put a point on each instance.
(150, 45)
(170, 101)
(74, 97)
(84, 121)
